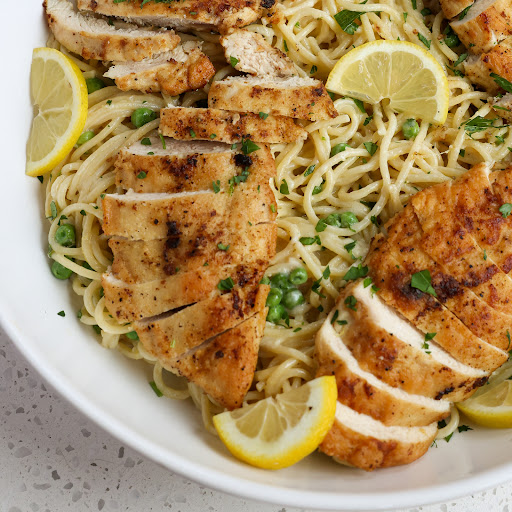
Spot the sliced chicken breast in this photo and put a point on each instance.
(426, 313)
(137, 261)
(188, 166)
(473, 305)
(231, 127)
(497, 61)
(363, 442)
(485, 24)
(452, 8)
(302, 98)
(185, 14)
(183, 69)
(172, 335)
(129, 302)
(224, 366)
(385, 344)
(250, 53)
(367, 394)
(187, 214)
(94, 38)
(464, 244)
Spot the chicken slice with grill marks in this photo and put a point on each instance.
(188, 166)
(185, 14)
(249, 52)
(94, 38)
(486, 23)
(231, 127)
(301, 98)
(137, 261)
(185, 68)
(187, 214)
(405, 242)
(363, 442)
(426, 313)
(365, 393)
(452, 8)
(128, 302)
(169, 336)
(224, 365)
(465, 245)
(387, 345)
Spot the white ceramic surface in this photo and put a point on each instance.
(114, 391)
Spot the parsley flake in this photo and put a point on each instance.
(423, 281)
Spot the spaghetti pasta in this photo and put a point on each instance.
(319, 181)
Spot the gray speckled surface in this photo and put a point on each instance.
(53, 458)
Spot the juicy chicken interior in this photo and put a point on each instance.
(429, 328)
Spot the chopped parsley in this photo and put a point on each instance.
(339, 148)
(53, 210)
(349, 248)
(223, 247)
(233, 61)
(356, 272)
(347, 20)
(502, 82)
(314, 69)
(430, 336)
(146, 141)
(464, 13)
(505, 210)
(424, 40)
(284, 188)
(360, 105)
(192, 133)
(216, 186)
(226, 284)
(371, 147)
(141, 175)
(248, 147)
(263, 115)
(460, 60)
(310, 240)
(309, 170)
(154, 387)
(164, 146)
(350, 302)
(423, 281)
(61, 313)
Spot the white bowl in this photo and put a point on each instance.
(114, 391)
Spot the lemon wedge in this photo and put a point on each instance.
(400, 71)
(278, 431)
(491, 405)
(59, 96)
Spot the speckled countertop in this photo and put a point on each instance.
(52, 458)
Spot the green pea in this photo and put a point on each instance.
(85, 137)
(298, 276)
(347, 219)
(276, 313)
(410, 129)
(141, 116)
(132, 335)
(293, 298)
(94, 84)
(451, 39)
(274, 296)
(65, 235)
(60, 271)
(280, 281)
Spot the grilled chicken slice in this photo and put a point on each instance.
(187, 214)
(302, 98)
(185, 14)
(498, 61)
(231, 127)
(467, 246)
(426, 313)
(365, 393)
(172, 335)
(129, 302)
(137, 261)
(94, 38)
(224, 366)
(458, 290)
(385, 344)
(361, 441)
(250, 53)
(485, 24)
(452, 8)
(183, 69)
(187, 166)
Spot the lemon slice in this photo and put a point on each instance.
(400, 71)
(59, 96)
(278, 431)
(491, 405)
